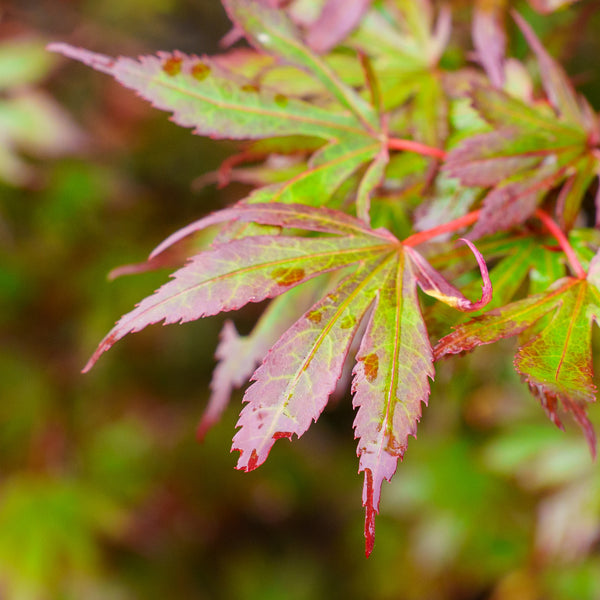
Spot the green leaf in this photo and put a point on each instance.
(215, 102)
(274, 32)
(556, 362)
(370, 180)
(23, 61)
(328, 169)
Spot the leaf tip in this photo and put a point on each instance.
(104, 345)
(247, 464)
(100, 62)
(369, 513)
(486, 288)
(206, 423)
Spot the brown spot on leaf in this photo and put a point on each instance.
(287, 276)
(249, 87)
(172, 66)
(282, 434)
(281, 100)
(347, 322)
(314, 316)
(371, 365)
(394, 447)
(200, 71)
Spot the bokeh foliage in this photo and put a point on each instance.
(104, 492)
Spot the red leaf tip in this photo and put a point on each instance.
(252, 462)
(369, 513)
(486, 288)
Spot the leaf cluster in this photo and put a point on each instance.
(362, 141)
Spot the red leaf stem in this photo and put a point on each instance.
(412, 146)
(561, 238)
(424, 236)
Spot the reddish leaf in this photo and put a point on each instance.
(555, 362)
(337, 20)
(489, 38)
(556, 83)
(300, 372)
(394, 363)
(239, 355)
(529, 153)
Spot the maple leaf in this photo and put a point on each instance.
(405, 54)
(240, 355)
(530, 151)
(554, 358)
(219, 97)
(520, 259)
(273, 31)
(489, 37)
(300, 371)
(214, 101)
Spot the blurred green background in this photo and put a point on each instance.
(104, 492)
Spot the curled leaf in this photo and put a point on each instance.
(434, 284)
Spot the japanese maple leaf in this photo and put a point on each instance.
(531, 150)
(555, 357)
(300, 371)
(405, 54)
(489, 37)
(219, 97)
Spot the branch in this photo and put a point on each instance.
(412, 146)
(561, 238)
(423, 236)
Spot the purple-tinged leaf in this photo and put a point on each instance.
(297, 216)
(484, 160)
(449, 200)
(394, 363)
(489, 38)
(556, 82)
(501, 110)
(529, 153)
(241, 271)
(436, 286)
(336, 21)
(300, 372)
(240, 355)
(213, 101)
(515, 200)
